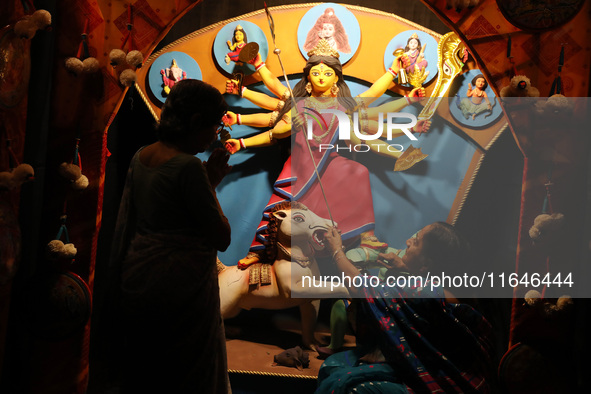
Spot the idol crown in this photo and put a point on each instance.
(323, 48)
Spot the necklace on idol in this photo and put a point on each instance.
(318, 104)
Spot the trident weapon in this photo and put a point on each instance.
(277, 52)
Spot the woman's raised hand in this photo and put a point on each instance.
(392, 260)
(217, 166)
(333, 239)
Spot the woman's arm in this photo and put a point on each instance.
(198, 181)
(221, 234)
(335, 246)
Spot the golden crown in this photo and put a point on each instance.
(414, 35)
(323, 48)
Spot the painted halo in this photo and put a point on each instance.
(427, 42)
(221, 49)
(462, 109)
(345, 34)
(155, 78)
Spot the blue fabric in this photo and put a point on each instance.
(343, 372)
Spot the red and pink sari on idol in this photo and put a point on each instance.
(346, 182)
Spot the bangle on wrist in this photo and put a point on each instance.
(242, 91)
(334, 254)
(394, 73)
(408, 100)
(257, 68)
(238, 120)
(242, 144)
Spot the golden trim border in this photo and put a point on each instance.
(276, 374)
(475, 174)
(285, 7)
(147, 102)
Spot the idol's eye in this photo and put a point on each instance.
(315, 73)
(328, 74)
(446, 69)
(298, 218)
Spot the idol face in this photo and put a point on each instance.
(322, 78)
(413, 44)
(327, 30)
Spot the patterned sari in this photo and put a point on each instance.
(430, 345)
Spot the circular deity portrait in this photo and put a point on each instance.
(420, 49)
(333, 23)
(230, 41)
(169, 68)
(472, 102)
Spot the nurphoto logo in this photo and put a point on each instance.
(345, 122)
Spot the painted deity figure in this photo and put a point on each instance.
(172, 75)
(414, 53)
(346, 182)
(328, 27)
(477, 100)
(238, 42)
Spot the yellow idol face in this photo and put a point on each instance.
(322, 79)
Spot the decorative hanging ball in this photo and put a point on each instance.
(90, 65)
(520, 86)
(74, 65)
(546, 227)
(135, 59)
(41, 18)
(55, 249)
(117, 57)
(80, 183)
(22, 173)
(70, 171)
(25, 28)
(533, 298)
(559, 104)
(127, 77)
(556, 107)
(564, 302)
(12, 179)
(69, 251)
